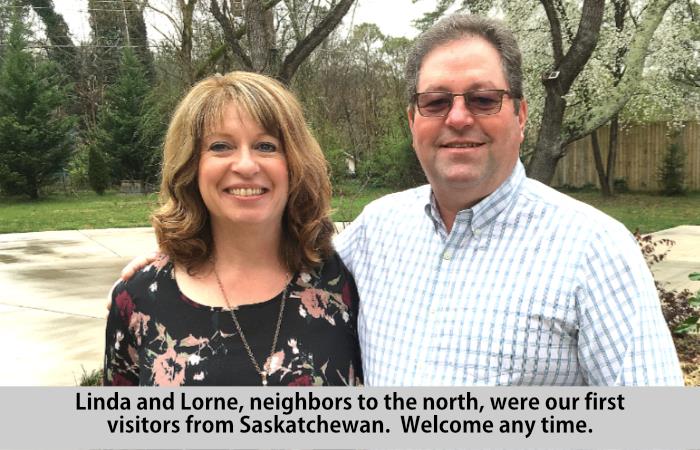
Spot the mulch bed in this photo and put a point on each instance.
(688, 348)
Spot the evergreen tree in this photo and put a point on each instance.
(35, 131)
(117, 135)
(98, 172)
(672, 171)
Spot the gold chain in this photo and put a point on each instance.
(262, 373)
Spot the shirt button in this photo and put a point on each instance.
(477, 232)
(447, 255)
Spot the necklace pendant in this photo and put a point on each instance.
(263, 375)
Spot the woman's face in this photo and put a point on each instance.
(242, 175)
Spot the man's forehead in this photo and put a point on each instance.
(468, 54)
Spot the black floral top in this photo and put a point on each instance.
(158, 336)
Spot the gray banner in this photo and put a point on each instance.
(213, 418)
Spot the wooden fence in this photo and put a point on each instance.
(641, 152)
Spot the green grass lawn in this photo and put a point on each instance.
(647, 212)
(87, 210)
(349, 199)
(80, 211)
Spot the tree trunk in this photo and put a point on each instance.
(261, 54)
(261, 37)
(612, 153)
(550, 140)
(548, 149)
(186, 37)
(599, 168)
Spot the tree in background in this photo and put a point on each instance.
(61, 50)
(116, 24)
(672, 171)
(353, 92)
(35, 131)
(657, 96)
(116, 134)
(557, 60)
(250, 32)
(98, 172)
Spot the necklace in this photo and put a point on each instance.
(262, 373)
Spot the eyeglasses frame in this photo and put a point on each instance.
(466, 101)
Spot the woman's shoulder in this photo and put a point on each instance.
(331, 271)
(330, 281)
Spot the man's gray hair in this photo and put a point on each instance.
(456, 27)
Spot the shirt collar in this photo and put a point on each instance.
(487, 209)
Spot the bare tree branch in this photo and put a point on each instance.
(230, 34)
(583, 44)
(555, 31)
(307, 45)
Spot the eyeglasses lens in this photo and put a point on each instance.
(438, 104)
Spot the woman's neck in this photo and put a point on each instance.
(247, 261)
(247, 247)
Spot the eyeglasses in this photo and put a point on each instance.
(481, 102)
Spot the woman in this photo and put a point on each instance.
(251, 291)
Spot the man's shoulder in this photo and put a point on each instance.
(568, 211)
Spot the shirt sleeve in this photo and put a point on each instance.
(623, 337)
(121, 357)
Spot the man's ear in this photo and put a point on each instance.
(522, 118)
(410, 112)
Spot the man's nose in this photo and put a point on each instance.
(459, 115)
(245, 163)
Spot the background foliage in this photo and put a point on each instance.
(121, 85)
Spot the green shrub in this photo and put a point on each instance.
(337, 162)
(78, 169)
(620, 186)
(98, 171)
(672, 171)
(394, 166)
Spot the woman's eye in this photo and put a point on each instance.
(219, 147)
(267, 147)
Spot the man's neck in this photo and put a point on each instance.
(453, 200)
(449, 210)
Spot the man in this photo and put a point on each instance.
(485, 277)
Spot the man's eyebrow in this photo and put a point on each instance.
(473, 87)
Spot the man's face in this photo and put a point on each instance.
(466, 157)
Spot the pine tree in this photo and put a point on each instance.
(35, 132)
(117, 132)
(672, 171)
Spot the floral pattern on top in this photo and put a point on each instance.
(157, 336)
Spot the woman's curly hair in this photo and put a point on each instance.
(182, 222)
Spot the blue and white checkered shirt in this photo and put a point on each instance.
(531, 287)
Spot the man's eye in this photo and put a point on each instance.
(219, 147)
(483, 101)
(438, 103)
(267, 147)
(434, 101)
